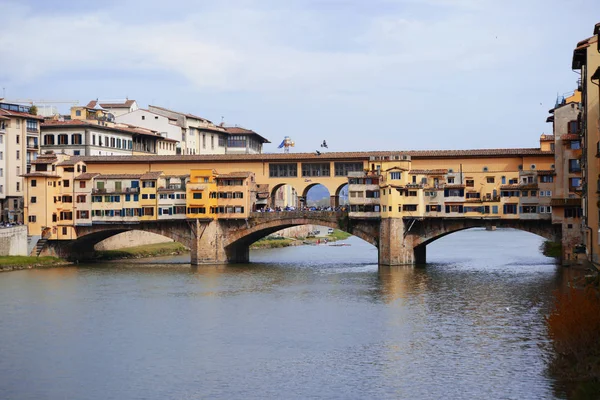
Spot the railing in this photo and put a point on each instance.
(32, 146)
(33, 130)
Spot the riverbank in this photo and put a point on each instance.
(275, 242)
(145, 251)
(15, 263)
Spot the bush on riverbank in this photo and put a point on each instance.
(149, 250)
(339, 235)
(574, 330)
(551, 249)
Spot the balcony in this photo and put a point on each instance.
(32, 146)
(33, 131)
(109, 191)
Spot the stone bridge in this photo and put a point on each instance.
(400, 241)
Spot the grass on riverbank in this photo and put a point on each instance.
(338, 235)
(19, 261)
(149, 250)
(272, 242)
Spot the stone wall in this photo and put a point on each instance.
(13, 241)
(131, 239)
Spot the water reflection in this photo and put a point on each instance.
(298, 322)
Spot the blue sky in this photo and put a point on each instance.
(363, 75)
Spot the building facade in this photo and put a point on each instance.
(19, 147)
(586, 60)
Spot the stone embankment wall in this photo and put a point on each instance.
(131, 239)
(13, 241)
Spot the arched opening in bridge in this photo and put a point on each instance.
(317, 197)
(482, 247)
(284, 196)
(133, 238)
(341, 195)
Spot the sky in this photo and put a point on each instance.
(362, 75)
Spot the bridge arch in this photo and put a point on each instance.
(278, 197)
(237, 243)
(426, 232)
(89, 236)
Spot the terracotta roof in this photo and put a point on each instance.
(69, 163)
(515, 186)
(547, 138)
(120, 127)
(4, 118)
(274, 157)
(570, 136)
(151, 175)
(428, 171)
(529, 186)
(40, 174)
(118, 176)
(565, 202)
(9, 113)
(180, 113)
(44, 160)
(125, 104)
(454, 186)
(238, 130)
(234, 175)
(86, 176)
(546, 172)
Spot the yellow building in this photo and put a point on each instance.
(202, 194)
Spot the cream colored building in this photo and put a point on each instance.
(19, 146)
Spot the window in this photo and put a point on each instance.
(81, 198)
(18, 186)
(65, 183)
(82, 184)
(342, 168)
(532, 166)
(283, 170)
(32, 126)
(32, 218)
(510, 209)
(66, 215)
(545, 209)
(574, 183)
(494, 209)
(395, 175)
(574, 165)
(490, 179)
(18, 138)
(63, 139)
(33, 199)
(575, 145)
(450, 179)
(410, 207)
(197, 196)
(470, 183)
(33, 182)
(148, 184)
(148, 211)
(573, 127)
(18, 154)
(546, 179)
(573, 212)
(529, 210)
(76, 138)
(503, 180)
(83, 214)
(236, 141)
(64, 231)
(315, 169)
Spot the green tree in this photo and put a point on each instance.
(33, 110)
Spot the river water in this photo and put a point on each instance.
(297, 323)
